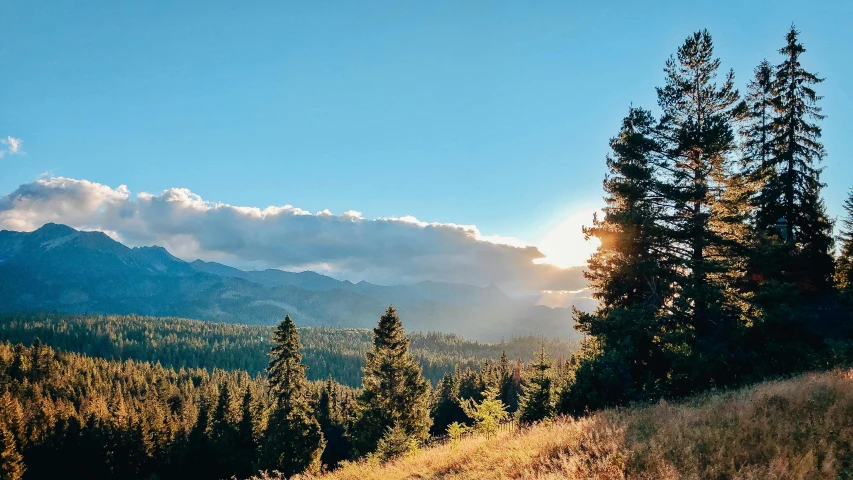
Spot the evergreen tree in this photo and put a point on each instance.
(488, 413)
(395, 443)
(697, 133)
(293, 440)
(792, 265)
(470, 385)
(11, 463)
(844, 269)
(245, 441)
(200, 449)
(537, 402)
(394, 394)
(223, 435)
(446, 409)
(793, 206)
(333, 422)
(630, 274)
(510, 383)
(757, 145)
(40, 361)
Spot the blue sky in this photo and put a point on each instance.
(488, 113)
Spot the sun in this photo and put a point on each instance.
(564, 245)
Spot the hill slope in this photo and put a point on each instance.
(794, 429)
(57, 268)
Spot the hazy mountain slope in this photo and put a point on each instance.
(272, 277)
(57, 268)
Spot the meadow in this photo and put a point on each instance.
(795, 429)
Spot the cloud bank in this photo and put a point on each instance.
(381, 250)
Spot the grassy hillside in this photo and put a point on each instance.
(795, 429)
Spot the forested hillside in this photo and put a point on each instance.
(128, 419)
(182, 343)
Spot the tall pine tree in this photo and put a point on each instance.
(793, 205)
(293, 440)
(394, 393)
(698, 134)
(756, 145)
(622, 358)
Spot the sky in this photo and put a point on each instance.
(489, 119)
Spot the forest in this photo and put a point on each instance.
(183, 343)
(136, 418)
(718, 267)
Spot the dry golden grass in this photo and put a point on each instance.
(794, 429)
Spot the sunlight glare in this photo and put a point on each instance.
(564, 246)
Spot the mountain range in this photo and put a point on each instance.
(58, 268)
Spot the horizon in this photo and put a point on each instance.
(343, 280)
(356, 132)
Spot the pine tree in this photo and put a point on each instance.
(333, 423)
(446, 409)
(537, 402)
(630, 274)
(469, 385)
(697, 132)
(792, 266)
(757, 145)
(11, 462)
(293, 440)
(245, 441)
(793, 206)
(510, 384)
(395, 443)
(223, 434)
(844, 269)
(394, 394)
(199, 446)
(488, 413)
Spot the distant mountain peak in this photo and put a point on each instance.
(55, 230)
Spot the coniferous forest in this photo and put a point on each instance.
(719, 267)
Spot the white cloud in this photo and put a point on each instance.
(11, 145)
(382, 250)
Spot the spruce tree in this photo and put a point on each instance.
(756, 144)
(11, 462)
(630, 274)
(333, 422)
(293, 440)
(223, 435)
(200, 449)
(510, 384)
(488, 413)
(446, 409)
(537, 400)
(792, 265)
(697, 133)
(394, 393)
(793, 207)
(245, 437)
